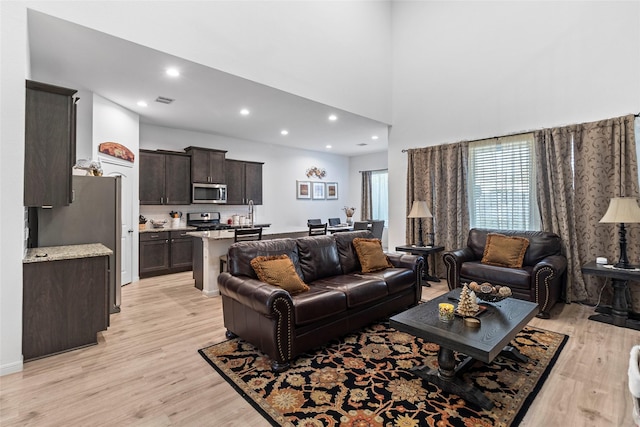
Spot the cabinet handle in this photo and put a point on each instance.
(73, 195)
(173, 240)
(154, 236)
(167, 200)
(166, 241)
(161, 200)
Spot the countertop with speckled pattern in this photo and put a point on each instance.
(57, 253)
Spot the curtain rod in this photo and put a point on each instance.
(375, 170)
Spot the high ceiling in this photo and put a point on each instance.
(205, 99)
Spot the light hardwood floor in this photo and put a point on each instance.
(146, 371)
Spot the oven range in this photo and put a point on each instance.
(204, 221)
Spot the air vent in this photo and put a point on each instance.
(362, 144)
(163, 100)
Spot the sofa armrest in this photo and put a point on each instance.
(414, 263)
(453, 261)
(258, 296)
(547, 280)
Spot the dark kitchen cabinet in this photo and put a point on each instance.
(207, 165)
(181, 251)
(244, 182)
(165, 252)
(65, 304)
(50, 144)
(165, 178)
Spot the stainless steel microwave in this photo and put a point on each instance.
(209, 193)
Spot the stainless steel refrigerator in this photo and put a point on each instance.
(94, 216)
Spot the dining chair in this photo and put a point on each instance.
(242, 235)
(334, 221)
(314, 221)
(317, 229)
(377, 227)
(360, 225)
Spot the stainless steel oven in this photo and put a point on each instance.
(209, 193)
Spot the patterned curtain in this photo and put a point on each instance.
(366, 206)
(438, 175)
(580, 168)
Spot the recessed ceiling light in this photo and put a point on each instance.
(374, 137)
(284, 132)
(244, 112)
(333, 117)
(328, 146)
(142, 104)
(173, 72)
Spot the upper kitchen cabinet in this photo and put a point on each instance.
(50, 144)
(244, 182)
(165, 178)
(207, 165)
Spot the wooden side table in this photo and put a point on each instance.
(619, 313)
(425, 251)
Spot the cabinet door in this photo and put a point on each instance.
(152, 173)
(49, 145)
(177, 180)
(65, 304)
(154, 253)
(234, 171)
(200, 166)
(253, 182)
(181, 251)
(217, 167)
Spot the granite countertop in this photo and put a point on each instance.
(182, 227)
(57, 253)
(228, 234)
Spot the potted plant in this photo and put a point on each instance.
(349, 212)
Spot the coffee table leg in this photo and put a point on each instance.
(445, 378)
(514, 354)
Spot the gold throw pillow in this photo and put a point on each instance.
(505, 251)
(370, 254)
(278, 270)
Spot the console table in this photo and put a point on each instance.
(619, 313)
(425, 251)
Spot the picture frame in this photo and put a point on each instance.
(318, 191)
(303, 189)
(332, 190)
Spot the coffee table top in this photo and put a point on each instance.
(499, 324)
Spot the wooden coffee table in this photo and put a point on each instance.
(499, 324)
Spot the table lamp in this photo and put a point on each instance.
(419, 210)
(622, 210)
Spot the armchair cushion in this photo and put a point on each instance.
(505, 251)
(370, 254)
(279, 271)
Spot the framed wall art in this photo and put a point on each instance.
(332, 190)
(318, 190)
(303, 189)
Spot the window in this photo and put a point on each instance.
(502, 184)
(380, 195)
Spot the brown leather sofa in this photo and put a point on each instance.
(341, 298)
(541, 278)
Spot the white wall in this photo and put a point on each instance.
(477, 69)
(14, 68)
(335, 52)
(282, 167)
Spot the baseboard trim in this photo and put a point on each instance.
(11, 368)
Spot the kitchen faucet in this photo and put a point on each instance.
(251, 213)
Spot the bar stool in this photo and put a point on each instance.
(242, 235)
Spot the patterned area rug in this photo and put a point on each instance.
(363, 379)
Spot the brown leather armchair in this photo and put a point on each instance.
(540, 280)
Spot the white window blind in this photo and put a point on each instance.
(502, 184)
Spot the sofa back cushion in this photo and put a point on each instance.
(347, 253)
(241, 254)
(318, 257)
(541, 243)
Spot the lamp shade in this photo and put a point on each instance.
(622, 210)
(419, 209)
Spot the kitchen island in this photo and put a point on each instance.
(211, 245)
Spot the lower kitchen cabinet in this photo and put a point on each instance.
(65, 304)
(165, 252)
